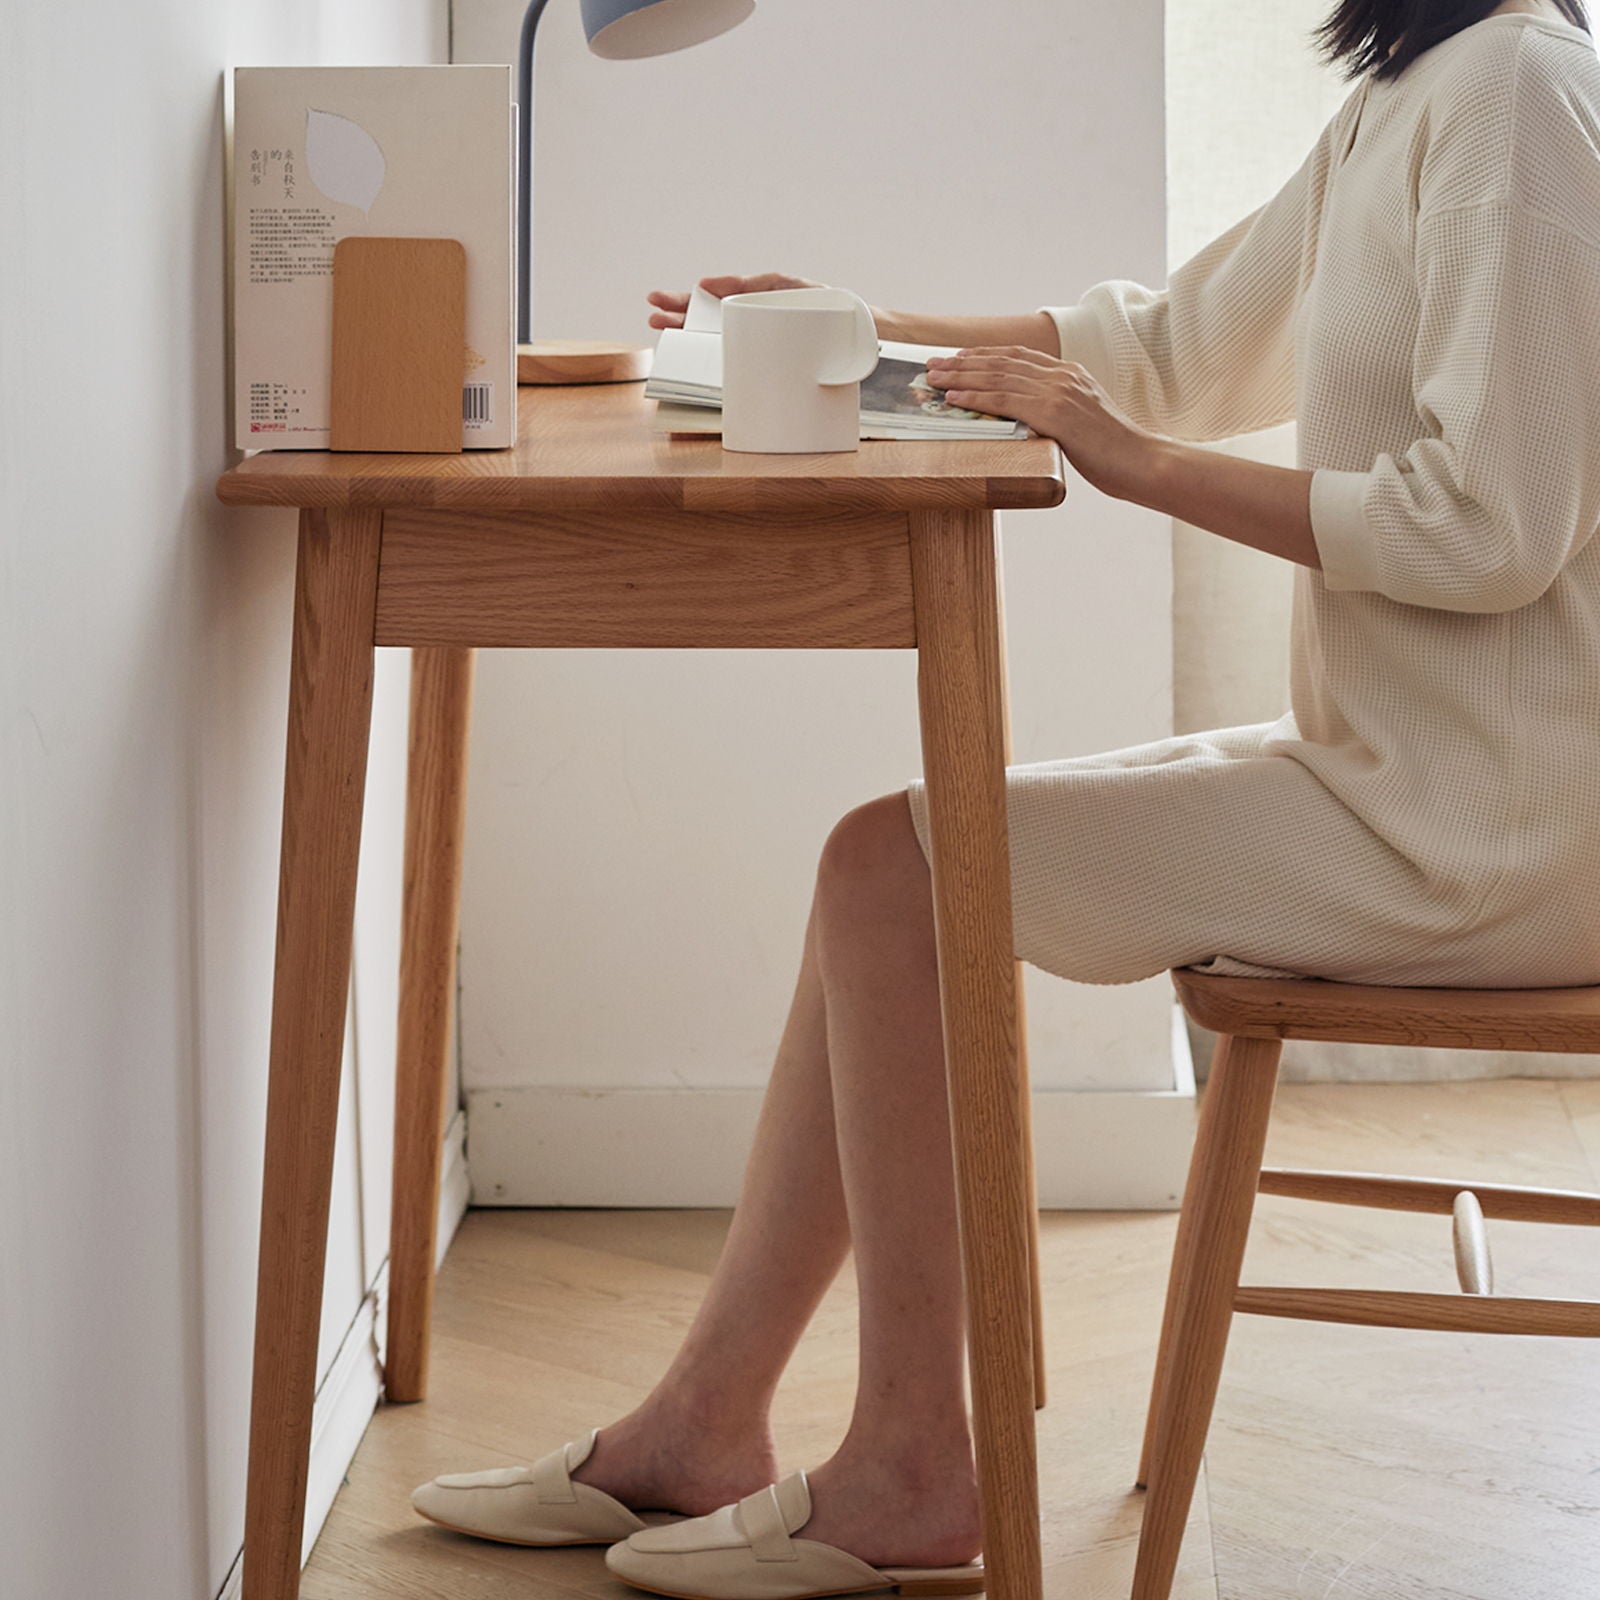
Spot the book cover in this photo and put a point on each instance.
(319, 153)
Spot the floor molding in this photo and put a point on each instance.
(547, 1146)
(353, 1384)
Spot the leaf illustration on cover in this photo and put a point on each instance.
(343, 159)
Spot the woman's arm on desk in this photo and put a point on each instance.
(1036, 330)
(1266, 507)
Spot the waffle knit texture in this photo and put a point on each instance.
(1423, 296)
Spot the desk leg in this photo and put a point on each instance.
(436, 793)
(963, 744)
(330, 705)
(1024, 1082)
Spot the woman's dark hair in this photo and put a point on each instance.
(1385, 36)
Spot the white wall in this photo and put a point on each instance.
(1247, 95)
(143, 662)
(643, 829)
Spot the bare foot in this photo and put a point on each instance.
(889, 1515)
(651, 1460)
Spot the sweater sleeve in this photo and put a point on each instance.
(1503, 487)
(1212, 355)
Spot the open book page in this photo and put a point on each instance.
(897, 401)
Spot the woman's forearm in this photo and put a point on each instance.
(1250, 502)
(1036, 330)
(1266, 507)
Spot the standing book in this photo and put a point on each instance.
(323, 153)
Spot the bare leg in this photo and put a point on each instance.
(902, 1488)
(855, 1125)
(701, 1438)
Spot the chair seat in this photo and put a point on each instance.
(1460, 1019)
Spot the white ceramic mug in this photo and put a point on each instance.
(792, 365)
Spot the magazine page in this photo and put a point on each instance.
(900, 393)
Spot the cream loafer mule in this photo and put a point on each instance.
(537, 1505)
(745, 1552)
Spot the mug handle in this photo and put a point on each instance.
(864, 346)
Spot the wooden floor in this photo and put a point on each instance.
(1344, 1463)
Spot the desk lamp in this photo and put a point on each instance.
(618, 30)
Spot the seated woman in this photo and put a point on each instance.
(1423, 296)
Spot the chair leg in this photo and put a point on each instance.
(1216, 1215)
(441, 699)
(330, 704)
(1177, 1277)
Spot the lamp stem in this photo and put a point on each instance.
(530, 27)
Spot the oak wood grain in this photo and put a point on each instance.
(661, 578)
(593, 448)
(330, 704)
(1030, 1174)
(1434, 1195)
(1444, 1313)
(399, 342)
(963, 746)
(1464, 1019)
(1220, 1198)
(436, 794)
(563, 361)
(597, 530)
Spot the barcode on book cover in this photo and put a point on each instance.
(477, 405)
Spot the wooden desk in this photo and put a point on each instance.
(595, 531)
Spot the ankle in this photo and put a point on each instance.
(906, 1509)
(705, 1415)
(660, 1457)
(908, 1443)
(912, 1464)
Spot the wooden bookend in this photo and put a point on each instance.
(399, 344)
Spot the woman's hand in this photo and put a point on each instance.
(670, 307)
(1250, 502)
(1060, 400)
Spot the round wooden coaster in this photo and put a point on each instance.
(582, 361)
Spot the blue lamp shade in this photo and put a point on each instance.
(623, 30)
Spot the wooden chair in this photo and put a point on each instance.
(1253, 1016)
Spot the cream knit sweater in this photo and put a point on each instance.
(1424, 297)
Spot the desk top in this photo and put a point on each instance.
(593, 448)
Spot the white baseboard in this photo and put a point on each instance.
(346, 1399)
(353, 1384)
(1118, 1151)
(348, 1396)
(542, 1146)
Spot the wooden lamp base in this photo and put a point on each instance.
(582, 361)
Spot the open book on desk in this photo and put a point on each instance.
(897, 400)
